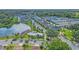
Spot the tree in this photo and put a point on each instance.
(76, 36)
(57, 44)
(8, 22)
(52, 33)
(9, 47)
(27, 46)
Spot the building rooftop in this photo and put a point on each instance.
(20, 28)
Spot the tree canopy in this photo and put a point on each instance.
(52, 33)
(57, 44)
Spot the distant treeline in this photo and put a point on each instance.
(60, 13)
(71, 13)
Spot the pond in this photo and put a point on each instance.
(6, 32)
(16, 28)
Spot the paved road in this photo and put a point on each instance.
(73, 47)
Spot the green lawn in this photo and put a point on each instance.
(68, 33)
